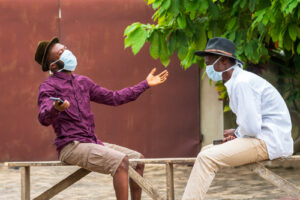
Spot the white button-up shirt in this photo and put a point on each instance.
(261, 112)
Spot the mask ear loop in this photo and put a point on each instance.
(239, 64)
(50, 72)
(54, 62)
(217, 60)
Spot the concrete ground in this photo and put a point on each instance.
(235, 183)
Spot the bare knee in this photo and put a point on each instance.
(140, 166)
(124, 164)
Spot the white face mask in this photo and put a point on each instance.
(213, 74)
(69, 60)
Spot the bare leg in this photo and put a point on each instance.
(135, 190)
(120, 180)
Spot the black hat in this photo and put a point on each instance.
(219, 46)
(42, 51)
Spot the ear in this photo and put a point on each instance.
(53, 67)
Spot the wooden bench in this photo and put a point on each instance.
(258, 168)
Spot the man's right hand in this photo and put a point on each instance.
(61, 107)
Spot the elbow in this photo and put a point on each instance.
(43, 121)
(250, 131)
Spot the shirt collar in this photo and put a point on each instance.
(232, 79)
(63, 75)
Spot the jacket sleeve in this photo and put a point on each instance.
(47, 112)
(248, 111)
(114, 98)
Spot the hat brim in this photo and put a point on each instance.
(44, 60)
(205, 53)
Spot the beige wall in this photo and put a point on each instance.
(211, 112)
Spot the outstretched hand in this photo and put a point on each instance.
(157, 79)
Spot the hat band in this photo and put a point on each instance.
(217, 50)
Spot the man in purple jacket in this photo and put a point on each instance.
(73, 121)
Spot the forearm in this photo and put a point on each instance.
(48, 115)
(129, 94)
(119, 97)
(245, 131)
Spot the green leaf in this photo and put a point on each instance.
(181, 45)
(213, 9)
(181, 21)
(292, 28)
(188, 60)
(288, 43)
(290, 6)
(201, 39)
(222, 95)
(231, 23)
(131, 28)
(156, 4)
(243, 3)
(151, 1)
(175, 7)
(298, 48)
(274, 32)
(226, 108)
(136, 39)
(259, 15)
(203, 6)
(220, 87)
(165, 4)
(155, 44)
(251, 51)
(172, 42)
(252, 5)
(164, 52)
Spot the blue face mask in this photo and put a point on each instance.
(69, 61)
(213, 74)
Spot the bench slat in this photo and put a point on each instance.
(144, 184)
(276, 180)
(62, 185)
(35, 163)
(145, 161)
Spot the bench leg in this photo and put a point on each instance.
(170, 181)
(65, 183)
(144, 184)
(25, 183)
(276, 180)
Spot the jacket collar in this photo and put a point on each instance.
(63, 75)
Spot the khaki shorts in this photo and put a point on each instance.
(95, 157)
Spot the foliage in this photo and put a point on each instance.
(262, 30)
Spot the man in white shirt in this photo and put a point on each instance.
(263, 119)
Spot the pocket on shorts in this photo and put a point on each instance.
(97, 162)
(67, 150)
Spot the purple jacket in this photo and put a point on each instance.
(77, 122)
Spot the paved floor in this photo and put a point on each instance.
(239, 184)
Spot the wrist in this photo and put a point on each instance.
(147, 84)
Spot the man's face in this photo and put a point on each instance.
(211, 58)
(54, 53)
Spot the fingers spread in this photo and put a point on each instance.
(163, 73)
(153, 71)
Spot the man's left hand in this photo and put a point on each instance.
(153, 80)
(228, 138)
